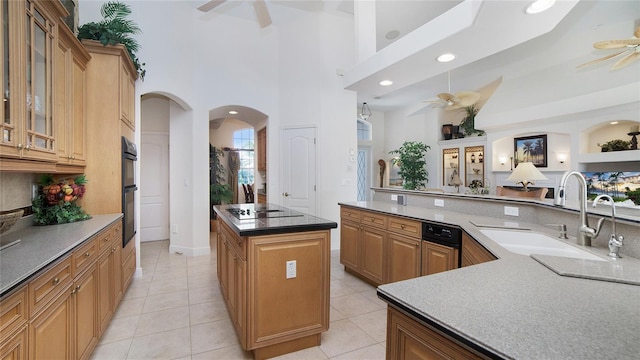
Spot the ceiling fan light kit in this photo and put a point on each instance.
(262, 13)
(630, 50)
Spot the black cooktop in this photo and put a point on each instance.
(261, 211)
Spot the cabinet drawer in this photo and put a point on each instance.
(234, 241)
(48, 284)
(82, 257)
(13, 313)
(104, 239)
(374, 219)
(406, 227)
(349, 213)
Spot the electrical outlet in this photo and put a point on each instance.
(438, 202)
(394, 197)
(291, 269)
(511, 211)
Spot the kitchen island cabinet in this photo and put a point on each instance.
(270, 269)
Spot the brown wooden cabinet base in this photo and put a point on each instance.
(407, 338)
(274, 314)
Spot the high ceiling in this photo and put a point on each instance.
(491, 39)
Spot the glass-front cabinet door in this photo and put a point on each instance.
(28, 34)
(474, 166)
(451, 167)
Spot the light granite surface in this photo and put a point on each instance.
(40, 246)
(517, 308)
(626, 272)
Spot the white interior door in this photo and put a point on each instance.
(154, 187)
(298, 166)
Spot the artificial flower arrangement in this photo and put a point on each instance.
(55, 202)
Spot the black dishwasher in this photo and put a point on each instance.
(443, 235)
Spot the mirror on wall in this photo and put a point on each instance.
(451, 167)
(474, 166)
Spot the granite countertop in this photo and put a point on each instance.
(40, 246)
(292, 221)
(517, 308)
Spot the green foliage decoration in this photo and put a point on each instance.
(61, 213)
(469, 121)
(412, 164)
(114, 29)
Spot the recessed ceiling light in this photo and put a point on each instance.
(392, 34)
(446, 57)
(385, 82)
(539, 6)
(613, 123)
(233, 112)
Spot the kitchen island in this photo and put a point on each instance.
(511, 308)
(273, 268)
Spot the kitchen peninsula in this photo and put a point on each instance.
(273, 267)
(513, 307)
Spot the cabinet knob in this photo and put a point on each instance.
(371, 219)
(77, 287)
(55, 281)
(402, 226)
(87, 255)
(74, 291)
(19, 146)
(113, 250)
(28, 147)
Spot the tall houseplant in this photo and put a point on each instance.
(412, 164)
(219, 191)
(114, 29)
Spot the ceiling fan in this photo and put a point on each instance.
(631, 50)
(262, 13)
(450, 101)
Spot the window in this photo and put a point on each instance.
(243, 141)
(364, 131)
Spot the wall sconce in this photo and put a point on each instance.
(562, 157)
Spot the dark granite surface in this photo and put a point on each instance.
(40, 246)
(279, 220)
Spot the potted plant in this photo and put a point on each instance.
(412, 164)
(468, 122)
(219, 191)
(615, 145)
(114, 29)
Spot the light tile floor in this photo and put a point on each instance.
(175, 311)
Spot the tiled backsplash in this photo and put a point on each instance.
(15, 190)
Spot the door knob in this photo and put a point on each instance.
(285, 194)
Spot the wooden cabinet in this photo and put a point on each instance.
(253, 281)
(15, 347)
(474, 253)
(85, 321)
(262, 198)
(262, 149)
(407, 338)
(109, 278)
(51, 330)
(438, 258)
(28, 89)
(63, 310)
(128, 263)
(380, 248)
(363, 244)
(404, 257)
(70, 90)
(110, 79)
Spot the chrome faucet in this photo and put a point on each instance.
(615, 242)
(585, 233)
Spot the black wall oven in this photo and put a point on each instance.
(129, 158)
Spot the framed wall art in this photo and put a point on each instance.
(530, 149)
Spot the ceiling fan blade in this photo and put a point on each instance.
(626, 60)
(468, 98)
(264, 19)
(210, 5)
(616, 44)
(600, 59)
(448, 97)
(637, 32)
